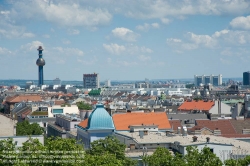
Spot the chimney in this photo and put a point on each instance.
(179, 130)
(208, 139)
(194, 138)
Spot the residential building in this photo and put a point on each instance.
(209, 107)
(10, 101)
(62, 125)
(145, 142)
(246, 78)
(8, 125)
(91, 81)
(205, 79)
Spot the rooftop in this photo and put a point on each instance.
(160, 137)
(196, 105)
(123, 121)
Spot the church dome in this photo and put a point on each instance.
(100, 119)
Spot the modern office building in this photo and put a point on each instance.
(40, 62)
(206, 79)
(91, 81)
(246, 78)
(108, 83)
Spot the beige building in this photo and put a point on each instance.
(8, 126)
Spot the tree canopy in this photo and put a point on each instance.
(108, 147)
(105, 152)
(83, 106)
(25, 128)
(194, 157)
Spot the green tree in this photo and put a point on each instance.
(83, 106)
(162, 157)
(32, 150)
(57, 146)
(25, 128)
(189, 86)
(106, 159)
(240, 162)
(110, 146)
(205, 157)
(163, 96)
(7, 152)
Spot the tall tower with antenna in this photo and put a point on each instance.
(40, 62)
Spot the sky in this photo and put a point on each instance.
(125, 39)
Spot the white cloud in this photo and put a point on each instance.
(146, 26)
(61, 12)
(31, 46)
(9, 31)
(114, 48)
(146, 50)
(73, 31)
(173, 40)
(125, 34)
(91, 61)
(46, 36)
(205, 40)
(128, 49)
(126, 63)
(225, 61)
(189, 46)
(28, 35)
(155, 25)
(69, 51)
(165, 20)
(241, 22)
(220, 33)
(144, 58)
(4, 51)
(66, 41)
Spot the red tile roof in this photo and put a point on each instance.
(83, 123)
(175, 124)
(59, 102)
(196, 105)
(17, 99)
(123, 121)
(224, 126)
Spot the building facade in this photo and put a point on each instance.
(246, 78)
(205, 79)
(91, 81)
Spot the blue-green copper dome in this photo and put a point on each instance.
(100, 119)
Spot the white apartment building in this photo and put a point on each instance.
(91, 81)
(208, 79)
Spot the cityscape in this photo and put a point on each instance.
(140, 83)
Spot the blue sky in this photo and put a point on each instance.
(124, 40)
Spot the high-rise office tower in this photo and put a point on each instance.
(91, 81)
(246, 78)
(208, 79)
(40, 63)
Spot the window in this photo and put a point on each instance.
(212, 150)
(15, 142)
(44, 124)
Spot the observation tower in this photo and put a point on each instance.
(40, 62)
